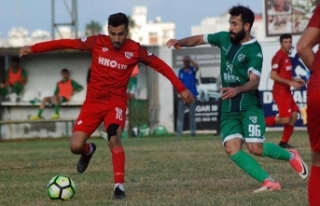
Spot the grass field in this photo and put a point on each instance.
(159, 171)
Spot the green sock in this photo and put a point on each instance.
(275, 152)
(40, 112)
(56, 108)
(249, 165)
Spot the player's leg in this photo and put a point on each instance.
(89, 119)
(192, 119)
(56, 99)
(313, 125)
(254, 129)
(290, 110)
(114, 122)
(232, 134)
(41, 108)
(180, 118)
(17, 88)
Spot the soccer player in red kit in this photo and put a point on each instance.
(309, 39)
(281, 74)
(113, 59)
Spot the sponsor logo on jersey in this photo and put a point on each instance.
(79, 122)
(229, 67)
(111, 63)
(128, 55)
(241, 57)
(275, 66)
(288, 68)
(105, 49)
(254, 119)
(84, 39)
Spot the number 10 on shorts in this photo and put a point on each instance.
(254, 130)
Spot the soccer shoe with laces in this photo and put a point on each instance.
(118, 193)
(268, 186)
(85, 160)
(298, 164)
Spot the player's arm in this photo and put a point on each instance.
(76, 86)
(310, 38)
(274, 75)
(251, 85)
(194, 64)
(85, 43)
(213, 39)
(24, 77)
(161, 67)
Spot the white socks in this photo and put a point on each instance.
(119, 185)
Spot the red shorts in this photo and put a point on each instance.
(313, 119)
(93, 114)
(286, 104)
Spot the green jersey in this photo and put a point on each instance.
(237, 61)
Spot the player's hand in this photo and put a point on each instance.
(173, 43)
(299, 80)
(228, 92)
(187, 97)
(295, 84)
(25, 51)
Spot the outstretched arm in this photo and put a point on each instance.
(186, 42)
(85, 43)
(161, 67)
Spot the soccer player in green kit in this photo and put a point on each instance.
(242, 118)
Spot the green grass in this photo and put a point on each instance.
(159, 171)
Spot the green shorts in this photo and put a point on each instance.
(248, 125)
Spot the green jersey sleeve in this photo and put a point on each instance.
(216, 39)
(24, 74)
(255, 60)
(76, 87)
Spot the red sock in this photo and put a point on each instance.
(85, 149)
(314, 186)
(118, 160)
(287, 132)
(270, 121)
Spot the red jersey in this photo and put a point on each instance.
(281, 63)
(111, 68)
(314, 81)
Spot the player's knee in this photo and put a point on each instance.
(255, 149)
(76, 147)
(285, 120)
(112, 130)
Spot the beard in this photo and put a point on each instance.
(238, 37)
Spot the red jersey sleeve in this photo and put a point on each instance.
(315, 19)
(161, 67)
(276, 62)
(85, 43)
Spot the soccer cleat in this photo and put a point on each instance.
(298, 164)
(55, 116)
(285, 145)
(268, 186)
(118, 193)
(35, 117)
(85, 160)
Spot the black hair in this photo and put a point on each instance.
(65, 70)
(247, 15)
(118, 19)
(285, 36)
(15, 59)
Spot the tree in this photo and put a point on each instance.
(93, 28)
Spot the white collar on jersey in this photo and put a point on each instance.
(254, 39)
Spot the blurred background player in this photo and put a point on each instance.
(281, 74)
(309, 39)
(63, 93)
(16, 78)
(187, 75)
(242, 118)
(113, 59)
